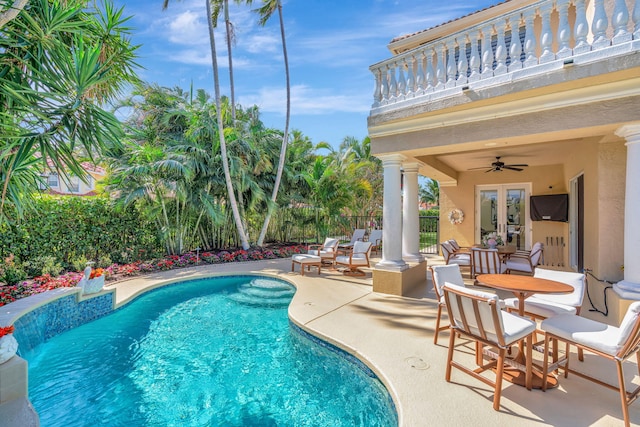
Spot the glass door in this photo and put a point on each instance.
(504, 209)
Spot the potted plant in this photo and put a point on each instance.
(93, 280)
(8, 344)
(492, 240)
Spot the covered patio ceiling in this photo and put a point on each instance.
(446, 166)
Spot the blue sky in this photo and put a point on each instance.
(331, 44)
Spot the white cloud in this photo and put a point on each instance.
(203, 57)
(260, 42)
(188, 28)
(306, 101)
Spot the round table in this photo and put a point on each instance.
(523, 287)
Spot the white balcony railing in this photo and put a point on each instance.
(489, 50)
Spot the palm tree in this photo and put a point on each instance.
(430, 193)
(211, 19)
(266, 11)
(63, 62)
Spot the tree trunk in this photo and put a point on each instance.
(12, 12)
(285, 136)
(229, 29)
(223, 144)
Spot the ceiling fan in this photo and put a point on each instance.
(499, 166)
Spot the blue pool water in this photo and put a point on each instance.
(215, 352)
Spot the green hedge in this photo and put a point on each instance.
(76, 228)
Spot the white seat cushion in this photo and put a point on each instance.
(590, 333)
(342, 259)
(516, 327)
(322, 254)
(305, 258)
(460, 259)
(540, 307)
(519, 264)
(575, 280)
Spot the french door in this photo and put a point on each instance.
(504, 209)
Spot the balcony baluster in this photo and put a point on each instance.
(564, 32)
(581, 29)
(529, 39)
(402, 82)
(430, 74)
(501, 49)
(515, 50)
(440, 70)
(452, 69)
(411, 77)
(393, 85)
(377, 90)
(463, 64)
(487, 52)
(620, 21)
(636, 20)
(420, 77)
(599, 26)
(546, 36)
(474, 58)
(385, 86)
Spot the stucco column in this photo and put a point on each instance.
(629, 288)
(392, 215)
(410, 217)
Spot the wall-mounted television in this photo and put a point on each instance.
(549, 207)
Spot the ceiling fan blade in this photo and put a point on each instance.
(510, 167)
(477, 169)
(493, 170)
(518, 165)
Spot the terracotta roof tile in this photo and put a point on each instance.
(406, 36)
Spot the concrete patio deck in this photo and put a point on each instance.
(394, 337)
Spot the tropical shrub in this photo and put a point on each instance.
(41, 265)
(11, 271)
(74, 230)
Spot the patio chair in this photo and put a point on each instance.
(613, 343)
(375, 237)
(451, 257)
(457, 248)
(439, 275)
(326, 251)
(543, 306)
(357, 236)
(476, 315)
(485, 261)
(357, 258)
(525, 262)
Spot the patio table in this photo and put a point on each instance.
(523, 287)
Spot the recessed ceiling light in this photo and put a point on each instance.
(490, 144)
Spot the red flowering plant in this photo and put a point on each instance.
(225, 256)
(7, 330)
(96, 272)
(240, 255)
(165, 264)
(209, 257)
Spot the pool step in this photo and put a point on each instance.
(264, 292)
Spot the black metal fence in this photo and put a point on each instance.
(429, 234)
(300, 225)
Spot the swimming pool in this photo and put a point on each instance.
(219, 351)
